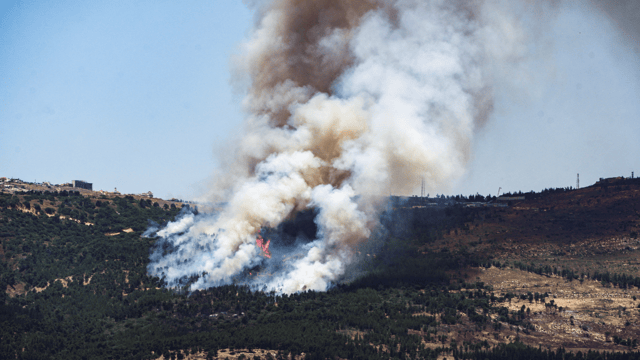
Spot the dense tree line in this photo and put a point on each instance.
(621, 280)
(519, 351)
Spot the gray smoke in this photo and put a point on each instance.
(625, 15)
(346, 101)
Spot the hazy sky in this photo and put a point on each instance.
(580, 112)
(136, 95)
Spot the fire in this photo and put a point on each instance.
(264, 246)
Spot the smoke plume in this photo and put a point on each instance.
(347, 101)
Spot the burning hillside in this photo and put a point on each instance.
(346, 100)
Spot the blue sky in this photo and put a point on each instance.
(133, 95)
(136, 95)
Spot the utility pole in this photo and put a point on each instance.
(578, 182)
(499, 191)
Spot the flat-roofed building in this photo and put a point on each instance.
(82, 184)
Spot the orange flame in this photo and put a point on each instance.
(263, 246)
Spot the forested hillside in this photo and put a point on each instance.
(74, 270)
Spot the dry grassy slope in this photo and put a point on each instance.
(587, 230)
(232, 354)
(591, 314)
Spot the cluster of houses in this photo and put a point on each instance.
(16, 185)
(12, 185)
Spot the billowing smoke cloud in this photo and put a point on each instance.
(347, 101)
(625, 14)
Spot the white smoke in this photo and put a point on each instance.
(348, 101)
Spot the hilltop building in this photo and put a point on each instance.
(511, 198)
(80, 184)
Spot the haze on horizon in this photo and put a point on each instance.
(138, 97)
